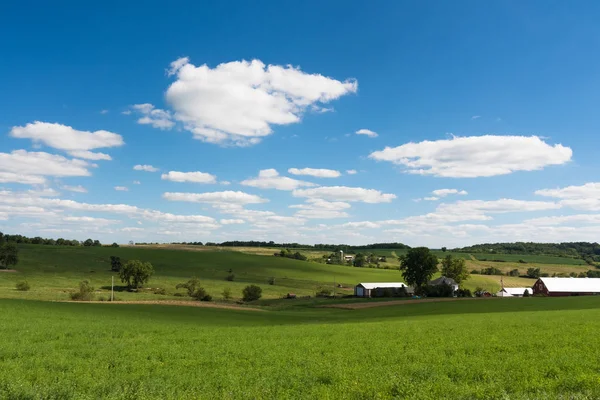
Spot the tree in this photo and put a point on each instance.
(115, 263)
(136, 273)
(85, 293)
(526, 293)
(359, 260)
(115, 244)
(251, 293)
(97, 243)
(418, 266)
(533, 273)
(88, 242)
(226, 294)
(455, 268)
(9, 255)
(190, 285)
(444, 249)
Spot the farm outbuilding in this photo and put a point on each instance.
(442, 280)
(380, 288)
(514, 292)
(567, 286)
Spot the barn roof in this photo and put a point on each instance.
(574, 285)
(517, 291)
(371, 286)
(442, 280)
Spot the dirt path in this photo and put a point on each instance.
(359, 306)
(176, 303)
(8, 270)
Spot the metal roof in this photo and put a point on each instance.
(575, 285)
(371, 286)
(442, 280)
(517, 291)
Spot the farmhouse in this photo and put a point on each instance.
(442, 280)
(567, 286)
(378, 289)
(514, 292)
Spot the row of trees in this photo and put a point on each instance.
(590, 252)
(4, 238)
(329, 247)
(196, 291)
(9, 255)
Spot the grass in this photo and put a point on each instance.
(479, 349)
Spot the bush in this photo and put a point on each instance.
(491, 271)
(114, 245)
(271, 280)
(226, 294)
(190, 285)
(230, 277)
(23, 286)
(533, 273)
(475, 272)
(251, 293)
(523, 261)
(178, 295)
(464, 293)
(514, 272)
(161, 291)
(526, 293)
(544, 275)
(438, 291)
(85, 293)
(201, 295)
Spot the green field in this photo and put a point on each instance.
(536, 348)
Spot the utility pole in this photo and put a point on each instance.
(112, 289)
(334, 286)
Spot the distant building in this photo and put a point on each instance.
(348, 258)
(442, 280)
(378, 289)
(567, 286)
(514, 292)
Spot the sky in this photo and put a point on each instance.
(429, 123)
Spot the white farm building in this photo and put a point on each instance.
(514, 292)
(377, 289)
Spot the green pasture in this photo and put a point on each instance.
(522, 348)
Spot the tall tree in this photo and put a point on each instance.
(359, 260)
(88, 242)
(9, 254)
(455, 268)
(418, 266)
(136, 273)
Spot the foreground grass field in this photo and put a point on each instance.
(536, 348)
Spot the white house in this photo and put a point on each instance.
(377, 289)
(514, 292)
(442, 280)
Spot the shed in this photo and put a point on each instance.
(514, 292)
(567, 286)
(377, 289)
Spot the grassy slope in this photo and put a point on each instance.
(478, 349)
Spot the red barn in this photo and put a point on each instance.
(567, 286)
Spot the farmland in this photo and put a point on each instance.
(474, 349)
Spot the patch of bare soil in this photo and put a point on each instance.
(359, 306)
(8, 270)
(202, 304)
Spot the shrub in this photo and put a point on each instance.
(251, 293)
(491, 271)
(514, 272)
(271, 280)
(438, 291)
(544, 275)
(201, 295)
(190, 285)
(161, 291)
(85, 292)
(178, 294)
(464, 293)
(114, 245)
(475, 272)
(230, 277)
(523, 261)
(226, 294)
(533, 273)
(23, 286)
(526, 293)
(115, 263)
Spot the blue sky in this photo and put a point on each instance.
(479, 121)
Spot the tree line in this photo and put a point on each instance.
(20, 239)
(589, 252)
(320, 246)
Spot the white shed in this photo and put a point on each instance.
(514, 292)
(376, 289)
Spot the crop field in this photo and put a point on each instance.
(533, 348)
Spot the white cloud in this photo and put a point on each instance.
(91, 220)
(583, 197)
(78, 188)
(238, 102)
(433, 198)
(476, 117)
(232, 221)
(344, 193)
(270, 179)
(104, 112)
(147, 168)
(132, 229)
(316, 172)
(361, 224)
(226, 183)
(475, 156)
(226, 197)
(195, 177)
(351, 172)
(62, 137)
(21, 166)
(121, 188)
(126, 112)
(446, 192)
(137, 182)
(321, 214)
(564, 219)
(321, 209)
(156, 117)
(367, 132)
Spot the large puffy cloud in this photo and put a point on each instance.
(583, 197)
(475, 156)
(316, 172)
(156, 117)
(226, 197)
(344, 193)
(270, 179)
(76, 143)
(194, 177)
(238, 102)
(21, 166)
